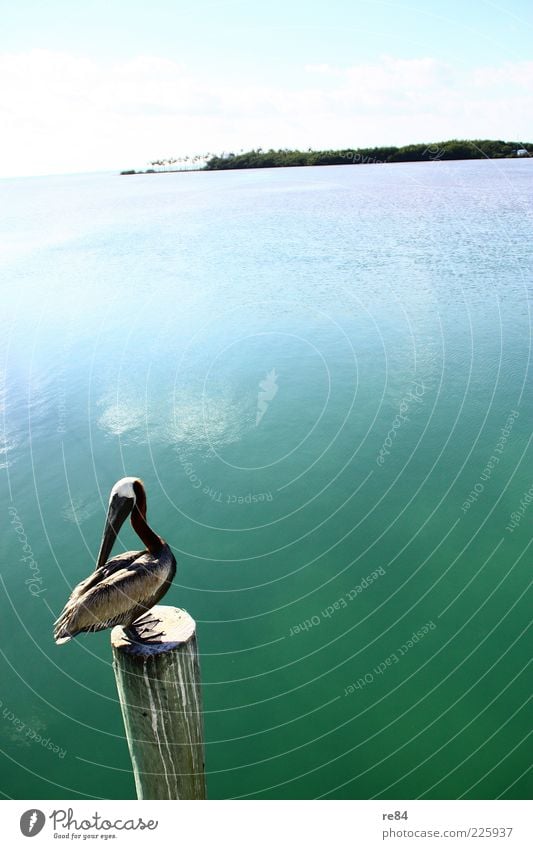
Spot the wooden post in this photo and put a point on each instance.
(158, 682)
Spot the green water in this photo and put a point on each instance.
(311, 370)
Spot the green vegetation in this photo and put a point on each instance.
(454, 149)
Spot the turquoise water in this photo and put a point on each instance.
(323, 377)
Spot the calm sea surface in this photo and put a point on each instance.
(323, 377)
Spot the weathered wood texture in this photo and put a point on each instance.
(158, 682)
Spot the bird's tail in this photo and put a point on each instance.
(61, 629)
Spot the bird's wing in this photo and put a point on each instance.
(112, 598)
(121, 561)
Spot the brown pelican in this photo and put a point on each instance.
(120, 590)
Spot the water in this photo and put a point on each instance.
(311, 370)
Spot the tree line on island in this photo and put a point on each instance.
(285, 158)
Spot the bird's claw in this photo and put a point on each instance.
(138, 636)
(145, 622)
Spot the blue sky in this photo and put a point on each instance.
(98, 85)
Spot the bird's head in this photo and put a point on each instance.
(126, 494)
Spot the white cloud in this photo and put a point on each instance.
(68, 113)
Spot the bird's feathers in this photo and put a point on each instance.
(121, 561)
(117, 593)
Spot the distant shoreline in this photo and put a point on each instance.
(452, 150)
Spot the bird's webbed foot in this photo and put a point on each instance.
(143, 631)
(131, 635)
(144, 623)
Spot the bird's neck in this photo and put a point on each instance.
(152, 541)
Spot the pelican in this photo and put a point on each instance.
(123, 588)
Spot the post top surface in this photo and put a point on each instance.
(160, 630)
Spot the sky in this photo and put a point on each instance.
(110, 84)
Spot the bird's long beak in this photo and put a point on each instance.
(118, 511)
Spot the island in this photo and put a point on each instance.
(285, 158)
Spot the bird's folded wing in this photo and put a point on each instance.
(106, 603)
(121, 561)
